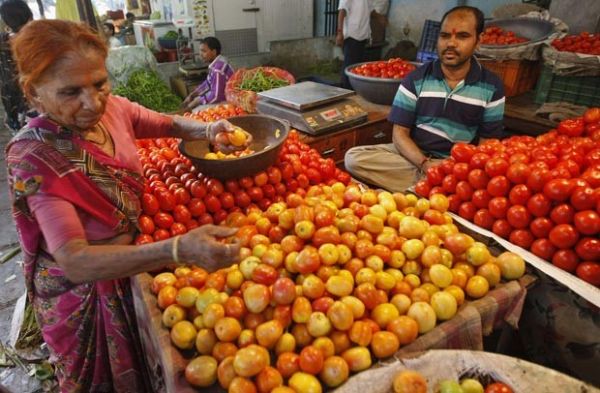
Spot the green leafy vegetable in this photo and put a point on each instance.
(147, 89)
(260, 81)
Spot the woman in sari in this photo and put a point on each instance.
(75, 183)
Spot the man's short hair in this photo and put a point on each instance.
(213, 43)
(15, 13)
(129, 15)
(473, 10)
(111, 27)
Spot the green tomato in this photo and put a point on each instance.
(449, 386)
(470, 385)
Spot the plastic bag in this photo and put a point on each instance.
(123, 61)
(571, 63)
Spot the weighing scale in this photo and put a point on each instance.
(312, 107)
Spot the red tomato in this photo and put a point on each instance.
(539, 205)
(449, 184)
(543, 248)
(592, 115)
(422, 188)
(478, 179)
(461, 171)
(518, 173)
(196, 207)
(435, 175)
(448, 165)
(182, 196)
(541, 227)
(566, 260)
(143, 239)
(166, 200)
(537, 179)
(519, 195)
(496, 167)
(558, 189)
(498, 207)
(453, 203)
(478, 160)
(161, 234)
(467, 210)
(146, 224)
(178, 229)
(563, 236)
(502, 228)
(212, 203)
(590, 272)
(521, 237)
(498, 387)
(483, 218)
(463, 190)
(571, 127)
(498, 186)
(562, 214)
(518, 216)
(481, 199)
(588, 249)
(198, 189)
(163, 220)
(462, 152)
(587, 222)
(150, 204)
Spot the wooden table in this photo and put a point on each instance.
(520, 118)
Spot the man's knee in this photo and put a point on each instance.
(354, 158)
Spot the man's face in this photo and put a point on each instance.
(458, 39)
(206, 54)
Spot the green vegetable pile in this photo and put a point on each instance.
(171, 35)
(147, 89)
(260, 81)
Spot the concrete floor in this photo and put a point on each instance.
(12, 378)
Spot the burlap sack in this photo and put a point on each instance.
(570, 63)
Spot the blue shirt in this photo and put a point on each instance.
(438, 116)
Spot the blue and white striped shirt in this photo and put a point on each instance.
(439, 116)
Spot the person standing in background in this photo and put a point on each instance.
(379, 20)
(353, 32)
(15, 14)
(109, 32)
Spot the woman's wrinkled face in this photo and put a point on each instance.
(74, 91)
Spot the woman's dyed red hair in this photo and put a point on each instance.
(42, 43)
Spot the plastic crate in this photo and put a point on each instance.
(424, 56)
(429, 36)
(518, 76)
(579, 90)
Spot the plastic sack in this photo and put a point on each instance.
(246, 99)
(527, 51)
(123, 61)
(570, 63)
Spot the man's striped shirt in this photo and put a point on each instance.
(438, 116)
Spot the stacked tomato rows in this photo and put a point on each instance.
(495, 35)
(178, 198)
(543, 193)
(393, 68)
(582, 43)
(217, 112)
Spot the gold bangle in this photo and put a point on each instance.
(175, 249)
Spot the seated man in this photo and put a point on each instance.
(453, 99)
(212, 90)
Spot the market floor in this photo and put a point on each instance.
(12, 284)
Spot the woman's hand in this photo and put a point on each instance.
(202, 247)
(221, 142)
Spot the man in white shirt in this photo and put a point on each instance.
(353, 32)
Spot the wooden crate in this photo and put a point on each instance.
(518, 76)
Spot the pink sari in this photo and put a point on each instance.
(90, 328)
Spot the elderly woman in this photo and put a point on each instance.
(76, 182)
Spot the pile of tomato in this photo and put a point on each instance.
(542, 193)
(395, 68)
(179, 198)
(329, 281)
(410, 381)
(582, 43)
(217, 112)
(495, 35)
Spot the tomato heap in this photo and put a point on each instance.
(393, 68)
(542, 193)
(327, 282)
(179, 198)
(582, 43)
(495, 35)
(410, 381)
(217, 112)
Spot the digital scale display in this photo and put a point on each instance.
(330, 114)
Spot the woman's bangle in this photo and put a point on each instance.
(175, 249)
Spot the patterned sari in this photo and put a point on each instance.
(90, 328)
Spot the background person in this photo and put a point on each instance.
(15, 14)
(109, 32)
(353, 32)
(453, 99)
(76, 183)
(212, 90)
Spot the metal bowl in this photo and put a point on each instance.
(268, 135)
(376, 90)
(533, 29)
